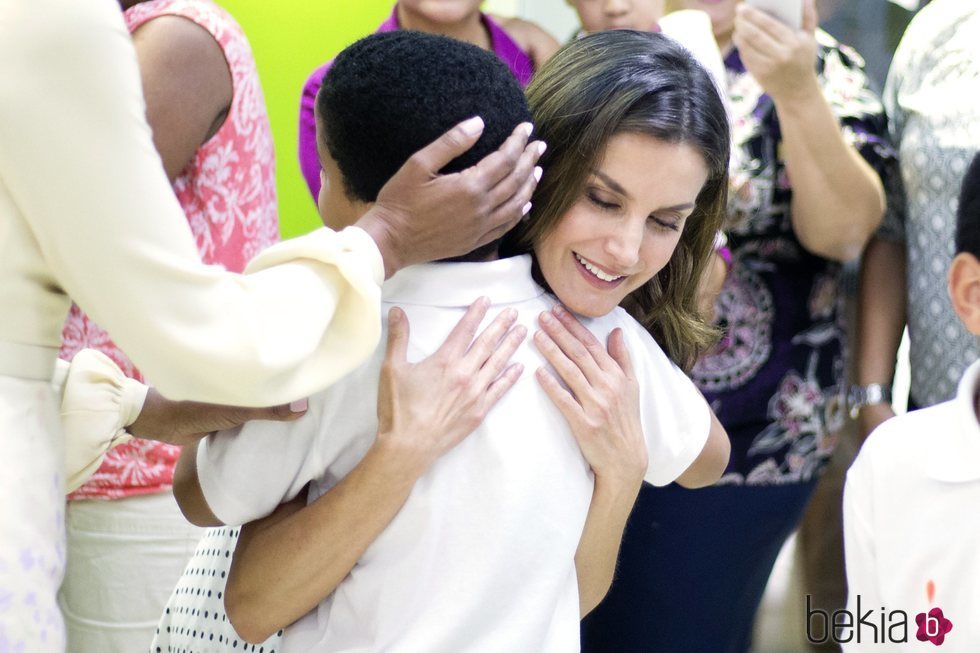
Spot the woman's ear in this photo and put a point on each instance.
(964, 290)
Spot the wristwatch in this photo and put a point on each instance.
(860, 396)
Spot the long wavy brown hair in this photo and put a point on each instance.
(623, 81)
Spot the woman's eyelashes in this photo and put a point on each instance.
(603, 204)
(670, 222)
(673, 224)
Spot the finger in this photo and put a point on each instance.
(524, 172)
(483, 347)
(507, 215)
(573, 349)
(561, 398)
(433, 157)
(282, 413)
(461, 336)
(750, 53)
(397, 336)
(498, 165)
(619, 352)
(501, 385)
(810, 17)
(501, 356)
(567, 370)
(760, 30)
(584, 336)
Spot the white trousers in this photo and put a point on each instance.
(124, 559)
(32, 551)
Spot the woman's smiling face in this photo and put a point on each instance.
(625, 226)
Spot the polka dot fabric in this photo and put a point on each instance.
(194, 620)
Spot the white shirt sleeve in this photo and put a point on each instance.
(78, 162)
(676, 418)
(246, 472)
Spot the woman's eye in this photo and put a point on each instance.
(602, 204)
(673, 225)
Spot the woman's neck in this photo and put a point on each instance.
(471, 29)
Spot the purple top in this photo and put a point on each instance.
(501, 43)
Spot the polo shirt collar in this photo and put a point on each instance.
(954, 454)
(504, 281)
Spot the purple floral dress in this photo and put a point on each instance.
(776, 381)
(694, 563)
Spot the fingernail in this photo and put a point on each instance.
(511, 313)
(558, 310)
(526, 209)
(527, 128)
(538, 171)
(473, 126)
(520, 331)
(547, 319)
(299, 405)
(542, 146)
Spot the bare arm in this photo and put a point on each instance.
(602, 408)
(710, 285)
(286, 564)
(539, 44)
(881, 309)
(712, 461)
(838, 199)
(186, 84)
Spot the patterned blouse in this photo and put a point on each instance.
(228, 193)
(777, 379)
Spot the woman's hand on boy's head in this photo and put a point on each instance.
(421, 215)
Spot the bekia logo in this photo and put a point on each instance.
(876, 625)
(933, 626)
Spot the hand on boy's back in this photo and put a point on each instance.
(421, 215)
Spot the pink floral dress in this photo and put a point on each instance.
(228, 194)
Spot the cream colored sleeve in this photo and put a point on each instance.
(98, 402)
(77, 158)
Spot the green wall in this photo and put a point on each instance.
(290, 38)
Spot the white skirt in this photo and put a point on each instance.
(32, 538)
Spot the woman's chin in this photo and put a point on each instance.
(588, 309)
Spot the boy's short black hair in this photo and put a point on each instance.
(968, 213)
(390, 94)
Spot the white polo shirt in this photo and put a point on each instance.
(481, 556)
(912, 521)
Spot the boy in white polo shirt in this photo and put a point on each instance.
(912, 536)
(482, 555)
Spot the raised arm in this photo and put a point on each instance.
(288, 563)
(838, 198)
(539, 44)
(114, 238)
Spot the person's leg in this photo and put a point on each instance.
(31, 524)
(124, 558)
(693, 567)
